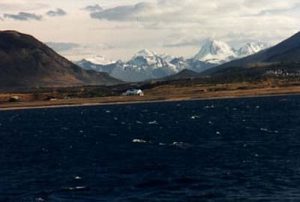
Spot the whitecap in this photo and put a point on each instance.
(139, 122)
(266, 130)
(181, 145)
(141, 141)
(209, 107)
(195, 117)
(80, 187)
(153, 122)
(218, 133)
(77, 178)
(77, 188)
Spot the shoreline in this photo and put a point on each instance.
(81, 103)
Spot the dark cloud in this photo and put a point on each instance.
(23, 16)
(121, 13)
(94, 8)
(57, 12)
(62, 46)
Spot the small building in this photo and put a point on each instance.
(14, 98)
(133, 92)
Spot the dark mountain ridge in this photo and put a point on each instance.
(26, 62)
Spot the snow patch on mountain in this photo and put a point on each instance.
(251, 48)
(216, 52)
(144, 65)
(100, 60)
(147, 64)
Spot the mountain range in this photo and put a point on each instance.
(284, 56)
(26, 63)
(147, 65)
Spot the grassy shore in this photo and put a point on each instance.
(162, 93)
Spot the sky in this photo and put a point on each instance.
(117, 29)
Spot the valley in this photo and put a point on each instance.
(33, 75)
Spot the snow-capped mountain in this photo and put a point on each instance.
(97, 63)
(215, 52)
(218, 52)
(100, 60)
(146, 57)
(146, 64)
(87, 65)
(167, 57)
(251, 48)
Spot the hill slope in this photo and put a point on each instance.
(26, 62)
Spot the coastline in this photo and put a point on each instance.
(121, 100)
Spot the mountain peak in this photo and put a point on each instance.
(214, 51)
(144, 57)
(145, 53)
(10, 40)
(286, 52)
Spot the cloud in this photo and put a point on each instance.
(123, 13)
(93, 8)
(57, 12)
(76, 51)
(162, 12)
(62, 46)
(167, 25)
(23, 16)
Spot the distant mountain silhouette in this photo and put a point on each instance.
(286, 52)
(184, 74)
(26, 62)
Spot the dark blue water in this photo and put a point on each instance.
(221, 150)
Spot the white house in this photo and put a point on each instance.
(133, 92)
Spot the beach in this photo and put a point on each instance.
(159, 94)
